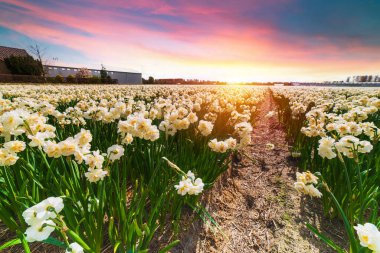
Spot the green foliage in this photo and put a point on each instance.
(150, 80)
(109, 80)
(103, 73)
(24, 65)
(94, 80)
(58, 79)
(71, 79)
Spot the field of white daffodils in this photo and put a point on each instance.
(112, 168)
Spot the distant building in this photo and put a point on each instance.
(122, 77)
(363, 79)
(52, 71)
(6, 52)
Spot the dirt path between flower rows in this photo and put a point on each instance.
(256, 206)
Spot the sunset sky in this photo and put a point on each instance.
(226, 40)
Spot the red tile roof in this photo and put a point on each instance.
(6, 52)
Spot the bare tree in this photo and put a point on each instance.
(39, 52)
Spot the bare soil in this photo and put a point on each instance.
(256, 206)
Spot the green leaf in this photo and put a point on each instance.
(325, 239)
(169, 247)
(79, 240)
(10, 244)
(55, 242)
(347, 224)
(116, 246)
(137, 229)
(25, 245)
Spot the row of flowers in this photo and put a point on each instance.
(336, 134)
(105, 148)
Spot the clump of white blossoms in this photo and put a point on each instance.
(222, 146)
(177, 119)
(305, 184)
(8, 154)
(189, 185)
(79, 145)
(127, 139)
(349, 144)
(38, 140)
(12, 123)
(74, 248)
(15, 146)
(115, 152)
(244, 130)
(95, 163)
(370, 129)
(205, 127)
(39, 218)
(138, 126)
(369, 236)
(326, 148)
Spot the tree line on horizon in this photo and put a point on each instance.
(152, 80)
